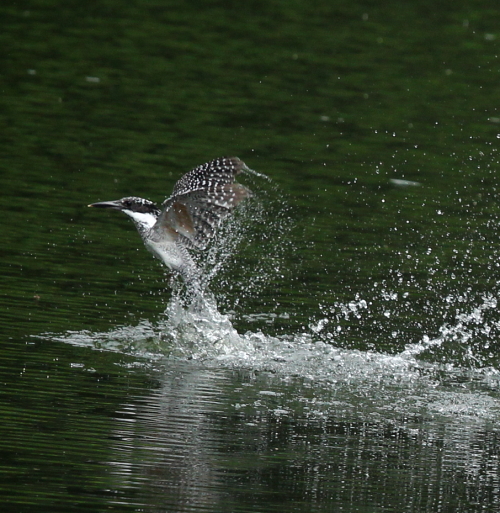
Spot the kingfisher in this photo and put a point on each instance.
(189, 218)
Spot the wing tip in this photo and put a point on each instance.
(241, 167)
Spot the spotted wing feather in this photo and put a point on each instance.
(201, 199)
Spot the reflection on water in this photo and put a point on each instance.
(211, 438)
(215, 440)
(299, 421)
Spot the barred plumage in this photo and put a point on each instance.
(201, 199)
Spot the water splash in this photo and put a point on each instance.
(464, 340)
(326, 375)
(412, 379)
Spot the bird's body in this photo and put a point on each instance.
(189, 218)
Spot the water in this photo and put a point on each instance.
(348, 359)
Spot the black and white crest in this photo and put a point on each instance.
(140, 205)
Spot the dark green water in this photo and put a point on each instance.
(358, 368)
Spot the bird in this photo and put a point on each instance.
(189, 218)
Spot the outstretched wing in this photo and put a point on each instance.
(201, 199)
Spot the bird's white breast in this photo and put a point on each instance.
(168, 252)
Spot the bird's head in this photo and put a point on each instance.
(143, 212)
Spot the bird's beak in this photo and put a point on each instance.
(107, 204)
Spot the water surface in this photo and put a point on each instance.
(351, 363)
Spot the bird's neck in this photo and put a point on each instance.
(143, 221)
